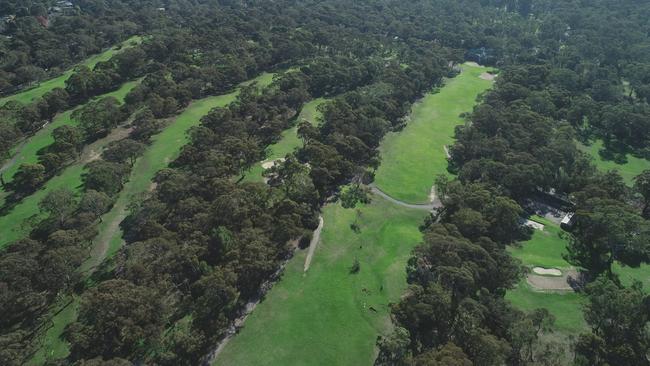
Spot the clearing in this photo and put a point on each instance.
(545, 249)
(633, 167)
(16, 223)
(27, 96)
(328, 315)
(412, 158)
(27, 152)
(289, 140)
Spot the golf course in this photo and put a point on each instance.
(38, 91)
(545, 250)
(13, 224)
(630, 169)
(412, 158)
(164, 148)
(289, 140)
(341, 303)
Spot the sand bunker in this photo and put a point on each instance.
(271, 164)
(535, 225)
(472, 63)
(553, 283)
(487, 76)
(547, 271)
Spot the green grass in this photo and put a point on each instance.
(323, 317)
(28, 153)
(289, 141)
(52, 348)
(164, 148)
(412, 158)
(27, 96)
(628, 171)
(15, 224)
(565, 306)
(544, 249)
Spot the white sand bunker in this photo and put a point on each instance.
(272, 163)
(535, 225)
(472, 63)
(547, 271)
(487, 76)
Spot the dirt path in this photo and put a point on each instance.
(314, 242)
(427, 206)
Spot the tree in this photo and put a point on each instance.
(642, 186)
(98, 118)
(96, 203)
(116, 319)
(354, 195)
(447, 355)
(619, 318)
(28, 178)
(105, 176)
(606, 231)
(59, 204)
(122, 151)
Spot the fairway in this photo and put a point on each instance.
(164, 148)
(28, 151)
(324, 316)
(412, 158)
(289, 141)
(27, 96)
(633, 167)
(327, 315)
(16, 223)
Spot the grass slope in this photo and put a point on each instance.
(628, 171)
(164, 148)
(412, 158)
(323, 316)
(25, 97)
(289, 141)
(28, 152)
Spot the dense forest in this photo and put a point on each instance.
(204, 241)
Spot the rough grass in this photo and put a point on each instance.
(289, 141)
(28, 152)
(633, 167)
(27, 96)
(412, 158)
(323, 316)
(164, 148)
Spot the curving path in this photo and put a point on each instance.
(435, 203)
